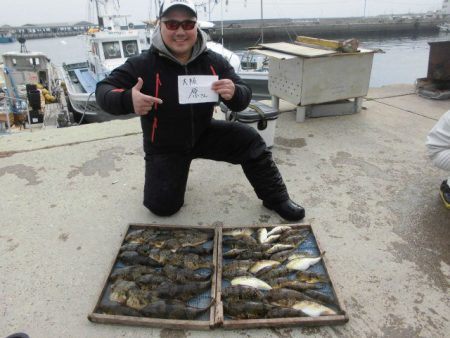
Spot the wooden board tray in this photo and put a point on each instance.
(228, 323)
(216, 318)
(200, 324)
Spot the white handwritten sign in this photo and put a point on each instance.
(196, 89)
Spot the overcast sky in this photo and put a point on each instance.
(19, 12)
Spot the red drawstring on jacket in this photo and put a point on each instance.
(155, 125)
(155, 118)
(158, 83)
(212, 70)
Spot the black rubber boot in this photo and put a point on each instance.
(288, 209)
(18, 335)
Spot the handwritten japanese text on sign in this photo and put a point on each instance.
(196, 89)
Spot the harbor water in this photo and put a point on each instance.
(404, 57)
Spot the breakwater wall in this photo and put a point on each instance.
(289, 29)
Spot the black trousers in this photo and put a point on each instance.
(166, 174)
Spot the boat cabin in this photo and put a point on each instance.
(26, 68)
(108, 50)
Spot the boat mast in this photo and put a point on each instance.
(262, 22)
(101, 24)
(221, 19)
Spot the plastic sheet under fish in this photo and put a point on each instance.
(202, 300)
(308, 246)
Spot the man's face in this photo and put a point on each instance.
(179, 41)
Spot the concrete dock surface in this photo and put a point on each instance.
(368, 186)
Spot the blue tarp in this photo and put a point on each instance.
(86, 80)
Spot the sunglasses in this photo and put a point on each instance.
(173, 25)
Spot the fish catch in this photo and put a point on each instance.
(130, 273)
(242, 292)
(258, 266)
(240, 242)
(281, 256)
(191, 239)
(117, 309)
(313, 309)
(246, 309)
(138, 299)
(303, 264)
(239, 233)
(279, 247)
(294, 240)
(236, 268)
(261, 235)
(251, 281)
(129, 247)
(233, 253)
(276, 295)
(184, 275)
(172, 309)
(321, 297)
(285, 312)
(250, 254)
(311, 277)
(181, 291)
(190, 261)
(119, 291)
(132, 257)
(294, 232)
(284, 282)
(198, 250)
(150, 281)
(278, 230)
(280, 271)
(271, 239)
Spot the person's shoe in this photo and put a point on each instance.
(445, 194)
(18, 335)
(288, 210)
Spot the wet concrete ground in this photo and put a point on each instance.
(369, 189)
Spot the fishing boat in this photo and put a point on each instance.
(107, 47)
(31, 86)
(251, 67)
(444, 27)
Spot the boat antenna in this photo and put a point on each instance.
(23, 47)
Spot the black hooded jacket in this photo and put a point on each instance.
(169, 126)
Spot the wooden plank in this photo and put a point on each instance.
(158, 322)
(284, 322)
(151, 322)
(333, 288)
(219, 306)
(294, 49)
(332, 44)
(104, 286)
(341, 318)
(212, 312)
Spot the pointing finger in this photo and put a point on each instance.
(150, 99)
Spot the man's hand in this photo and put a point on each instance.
(225, 88)
(142, 103)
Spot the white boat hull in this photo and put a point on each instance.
(83, 105)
